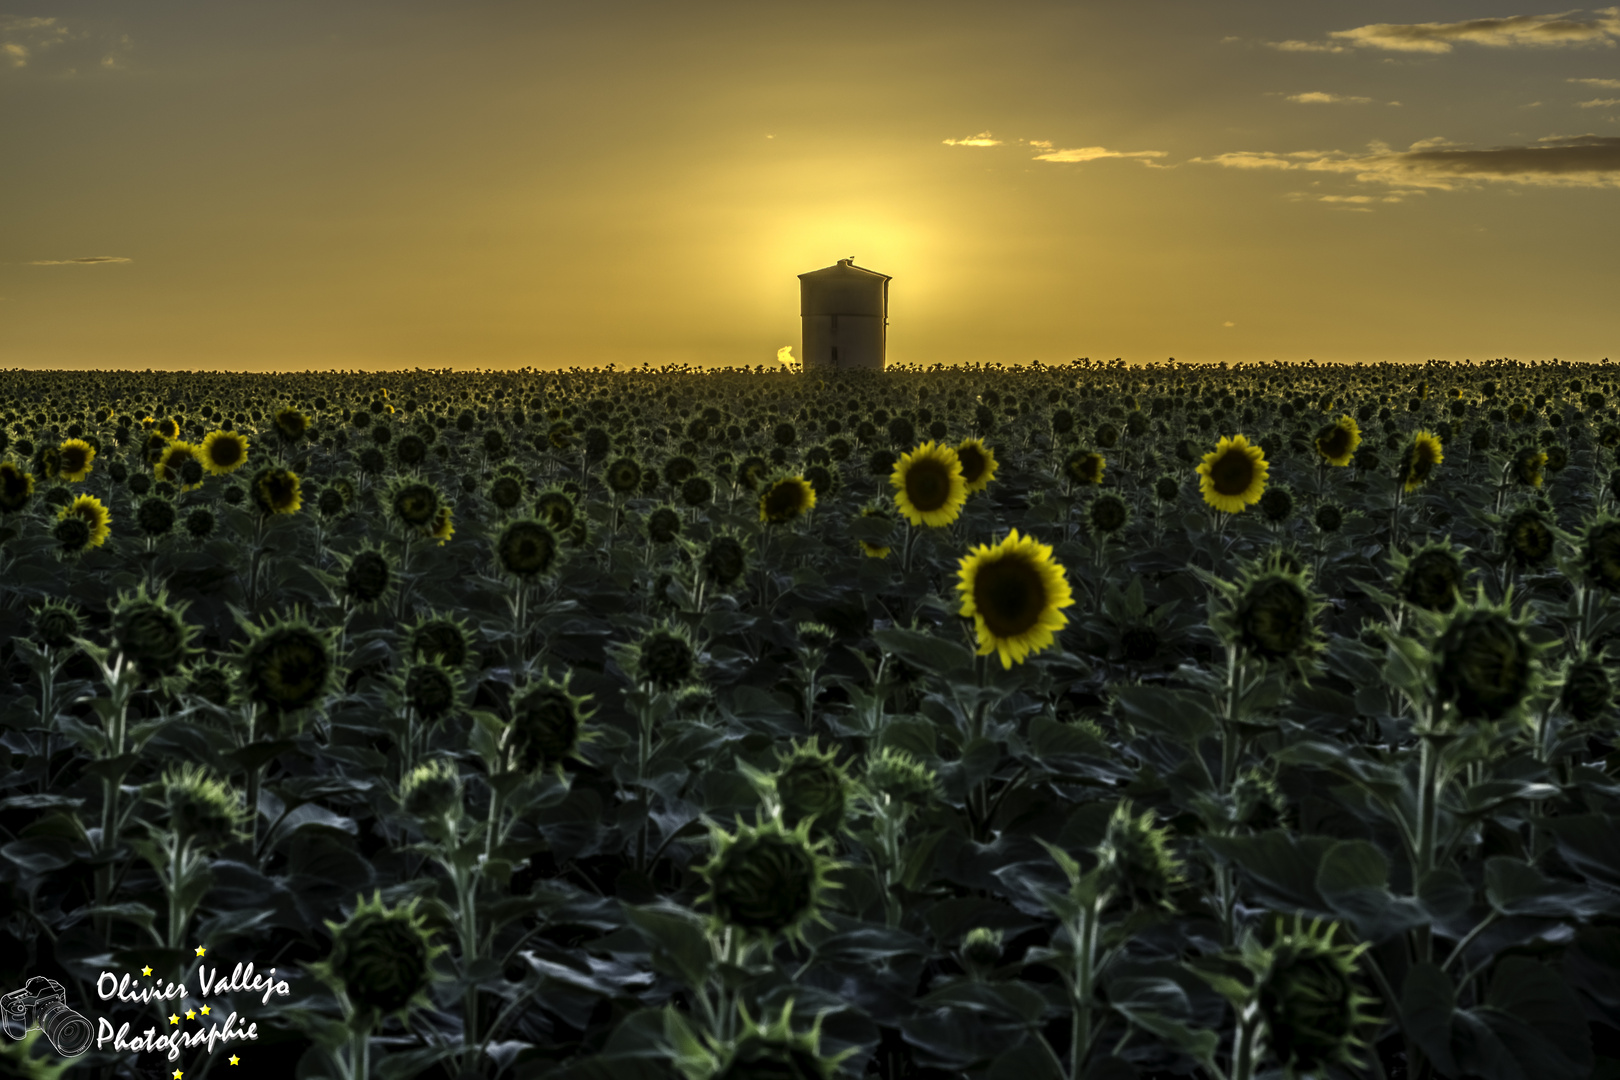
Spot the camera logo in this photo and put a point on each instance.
(43, 1004)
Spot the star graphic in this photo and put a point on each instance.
(177, 1074)
(201, 950)
(191, 1014)
(174, 1019)
(234, 1059)
(146, 970)
(205, 1009)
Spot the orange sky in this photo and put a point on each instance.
(404, 184)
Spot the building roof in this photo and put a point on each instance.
(846, 268)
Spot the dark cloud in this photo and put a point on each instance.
(1572, 155)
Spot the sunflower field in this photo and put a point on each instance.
(1022, 724)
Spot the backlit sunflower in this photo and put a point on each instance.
(929, 487)
(175, 456)
(89, 509)
(223, 452)
(1338, 441)
(168, 427)
(786, 498)
(1420, 460)
(1233, 475)
(1013, 592)
(978, 464)
(1085, 467)
(16, 487)
(73, 463)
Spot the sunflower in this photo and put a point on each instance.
(1421, 457)
(1233, 475)
(443, 527)
(223, 452)
(89, 509)
(1085, 467)
(786, 498)
(876, 550)
(275, 491)
(168, 427)
(1338, 441)
(73, 462)
(1013, 591)
(929, 486)
(978, 464)
(173, 462)
(16, 487)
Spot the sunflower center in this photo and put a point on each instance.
(1009, 594)
(1336, 443)
(973, 463)
(1232, 473)
(928, 485)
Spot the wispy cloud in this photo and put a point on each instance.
(75, 44)
(1555, 161)
(1607, 84)
(981, 139)
(89, 260)
(1096, 153)
(21, 38)
(1510, 32)
(1306, 46)
(1600, 103)
(1318, 97)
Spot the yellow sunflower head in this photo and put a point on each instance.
(275, 491)
(786, 498)
(978, 464)
(1420, 460)
(172, 465)
(882, 520)
(73, 464)
(1233, 475)
(443, 527)
(169, 427)
(1338, 441)
(224, 452)
(1013, 592)
(89, 509)
(929, 486)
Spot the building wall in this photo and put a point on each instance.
(858, 339)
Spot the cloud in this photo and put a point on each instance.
(1044, 144)
(1318, 97)
(90, 260)
(1600, 103)
(1554, 161)
(75, 44)
(1093, 153)
(1607, 84)
(1512, 31)
(981, 139)
(1305, 46)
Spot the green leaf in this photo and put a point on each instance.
(1444, 893)
(1283, 865)
(1428, 1002)
(1514, 887)
(935, 655)
(1557, 1041)
(1175, 714)
(678, 938)
(1352, 880)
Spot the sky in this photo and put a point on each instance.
(401, 184)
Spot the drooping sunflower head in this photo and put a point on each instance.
(430, 689)
(505, 492)
(1527, 537)
(929, 488)
(275, 491)
(1271, 612)
(1337, 442)
(1600, 552)
(1015, 593)
(724, 560)
(1423, 455)
(1483, 662)
(767, 881)
(1527, 465)
(548, 725)
(291, 425)
(432, 793)
(155, 515)
(1108, 514)
(1233, 475)
(1329, 517)
(1135, 858)
(412, 504)
(811, 785)
(368, 575)
(555, 507)
(1309, 997)
(978, 464)
(896, 774)
(664, 657)
(1432, 578)
(623, 476)
(1588, 689)
(1277, 504)
(74, 457)
(16, 487)
(1085, 467)
(152, 633)
(761, 1051)
(286, 665)
(89, 509)
(202, 808)
(382, 959)
(786, 498)
(526, 549)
